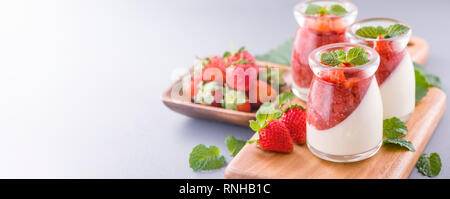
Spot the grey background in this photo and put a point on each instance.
(81, 81)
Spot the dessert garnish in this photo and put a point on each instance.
(314, 9)
(429, 165)
(206, 158)
(338, 58)
(394, 129)
(379, 32)
(234, 145)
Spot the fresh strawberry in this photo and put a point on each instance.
(214, 69)
(241, 54)
(241, 75)
(273, 136)
(294, 118)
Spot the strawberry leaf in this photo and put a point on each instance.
(285, 97)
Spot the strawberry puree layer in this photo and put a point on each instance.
(306, 40)
(331, 103)
(360, 132)
(389, 60)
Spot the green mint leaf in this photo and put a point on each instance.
(333, 58)
(368, 32)
(400, 142)
(206, 158)
(389, 32)
(336, 10)
(234, 145)
(312, 9)
(323, 11)
(395, 30)
(431, 78)
(357, 56)
(421, 86)
(285, 97)
(429, 165)
(280, 55)
(394, 128)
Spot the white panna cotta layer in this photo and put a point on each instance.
(398, 91)
(360, 132)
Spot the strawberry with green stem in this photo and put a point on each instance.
(272, 135)
(293, 117)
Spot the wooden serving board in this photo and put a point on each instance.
(389, 162)
(418, 49)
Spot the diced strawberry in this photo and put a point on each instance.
(245, 107)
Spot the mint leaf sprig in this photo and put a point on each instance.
(204, 158)
(394, 129)
(234, 145)
(429, 165)
(379, 32)
(424, 80)
(314, 9)
(355, 56)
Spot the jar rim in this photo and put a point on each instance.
(348, 5)
(314, 57)
(353, 34)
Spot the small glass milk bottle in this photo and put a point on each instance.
(395, 75)
(320, 22)
(344, 121)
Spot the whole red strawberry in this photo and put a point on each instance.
(214, 69)
(294, 118)
(274, 136)
(241, 54)
(241, 76)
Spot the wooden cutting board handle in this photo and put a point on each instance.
(418, 49)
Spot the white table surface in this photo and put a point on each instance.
(81, 81)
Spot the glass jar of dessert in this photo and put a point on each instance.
(320, 22)
(344, 121)
(395, 75)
